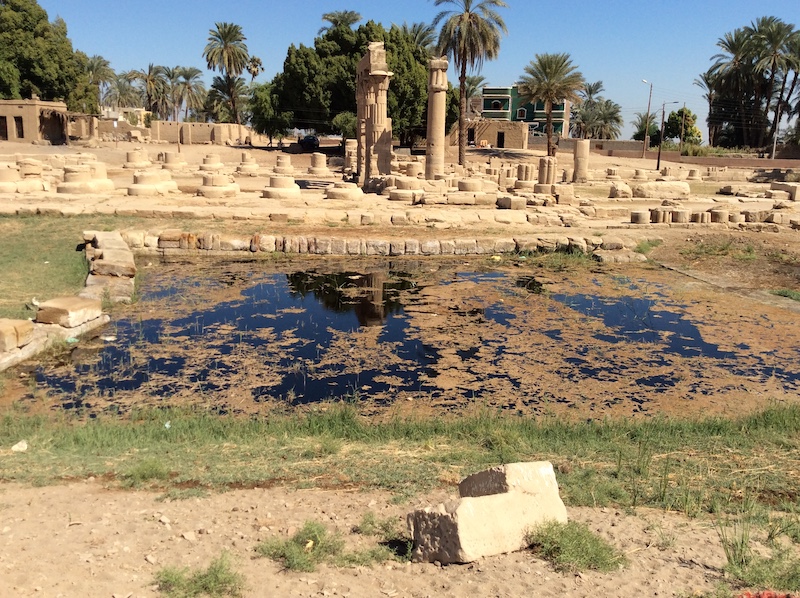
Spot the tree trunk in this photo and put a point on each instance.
(774, 129)
(462, 114)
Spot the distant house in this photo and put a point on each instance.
(505, 103)
(34, 121)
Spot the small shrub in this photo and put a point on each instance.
(788, 293)
(146, 471)
(371, 525)
(573, 547)
(310, 546)
(218, 580)
(646, 246)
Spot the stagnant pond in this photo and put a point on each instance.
(425, 336)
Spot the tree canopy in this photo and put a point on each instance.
(551, 79)
(751, 83)
(469, 35)
(36, 57)
(318, 83)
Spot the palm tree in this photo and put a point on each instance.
(226, 52)
(609, 120)
(475, 85)
(192, 91)
(339, 18)
(121, 93)
(584, 117)
(470, 34)
(219, 101)
(708, 83)
(100, 74)
(153, 86)
(770, 43)
(174, 99)
(255, 67)
(646, 121)
(551, 79)
(422, 35)
(737, 80)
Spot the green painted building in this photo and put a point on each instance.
(505, 103)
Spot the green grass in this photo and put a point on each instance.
(646, 246)
(219, 580)
(572, 547)
(314, 544)
(789, 293)
(660, 462)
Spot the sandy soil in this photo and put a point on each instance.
(82, 539)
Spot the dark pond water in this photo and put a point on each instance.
(292, 325)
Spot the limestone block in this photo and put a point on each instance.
(377, 247)
(613, 243)
(15, 333)
(466, 247)
(662, 190)
(109, 240)
(338, 246)
(505, 246)
(497, 510)
(399, 219)
(412, 247)
(534, 477)
(565, 194)
(640, 217)
(69, 311)
(356, 246)
(114, 262)
(511, 203)
(618, 256)
(8, 335)
(472, 185)
(117, 289)
(620, 190)
(233, 243)
(430, 247)
(264, 242)
(447, 247)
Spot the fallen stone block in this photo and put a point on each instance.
(69, 311)
(114, 262)
(14, 334)
(508, 503)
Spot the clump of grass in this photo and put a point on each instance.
(218, 580)
(314, 545)
(708, 248)
(788, 293)
(310, 546)
(372, 525)
(647, 245)
(573, 547)
(182, 494)
(147, 470)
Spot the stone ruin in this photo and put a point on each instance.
(496, 511)
(374, 152)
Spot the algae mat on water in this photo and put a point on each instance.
(424, 336)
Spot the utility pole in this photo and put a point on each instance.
(645, 141)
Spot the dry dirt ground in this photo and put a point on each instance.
(82, 539)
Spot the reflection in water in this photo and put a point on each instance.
(371, 296)
(308, 335)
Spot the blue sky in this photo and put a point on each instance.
(619, 42)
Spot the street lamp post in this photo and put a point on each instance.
(661, 135)
(647, 119)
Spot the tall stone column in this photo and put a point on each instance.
(437, 113)
(581, 174)
(375, 129)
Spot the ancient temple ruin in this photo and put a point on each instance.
(374, 127)
(437, 113)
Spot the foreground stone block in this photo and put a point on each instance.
(498, 508)
(14, 334)
(69, 311)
